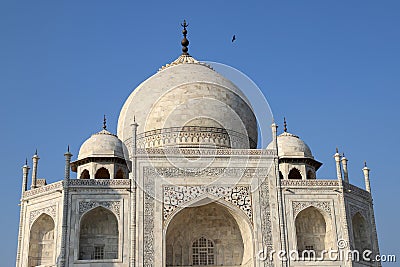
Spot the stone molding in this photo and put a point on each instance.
(148, 254)
(266, 225)
(307, 183)
(51, 211)
(100, 182)
(204, 152)
(299, 206)
(178, 196)
(113, 206)
(44, 189)
(57, 186)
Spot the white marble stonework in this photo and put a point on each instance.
(184, 184)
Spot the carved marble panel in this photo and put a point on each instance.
(177, 196)
(148, 255)
(51, 211)
(298, 206)
(172, 172)
(266, 220)
(114, 206)
(363, 210)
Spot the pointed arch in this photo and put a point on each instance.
(361, 236)
(85, 174)
(313, 231)
(295, 174)
(102, 173)
(120, 174)
(212, 220)
(98, 235)
(41, 241)
(310, 175)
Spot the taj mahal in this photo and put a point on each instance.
(184, 182)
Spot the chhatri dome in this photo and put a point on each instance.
(290, 145)
(103, 156)
(102, 144)
(188, 104)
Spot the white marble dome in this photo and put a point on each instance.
(188, 104)
(102, 144)
(290, 145)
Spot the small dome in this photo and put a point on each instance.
(102, 144)
(290, 145)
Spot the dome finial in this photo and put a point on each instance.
(284, 125)
(185, 42)
(104, 123)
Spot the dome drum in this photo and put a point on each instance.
(194, 136)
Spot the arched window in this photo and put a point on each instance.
(41, 242)
(85, 174)
(120, 174)
(310, 175)
(311, 231)
(98, 237)
(203, 252)
(102, 173)
(280, 175)
(295, 174)
(361, 234)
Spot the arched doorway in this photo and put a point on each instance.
(41, 242)
(85, 174)
(361, 233)
(208, 235)
(313, 231)
(98, 235)
(120, 174)
(102, 173)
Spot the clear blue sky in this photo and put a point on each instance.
(331, 67)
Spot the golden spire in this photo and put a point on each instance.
(184, 42)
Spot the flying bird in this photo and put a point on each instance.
(233, 38)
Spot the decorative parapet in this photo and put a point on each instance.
(309, 183)
(111, 183)
(354, 190)
(196, 152)
(58, 186)
(348, 188)
(194, 136)
(44, 189)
